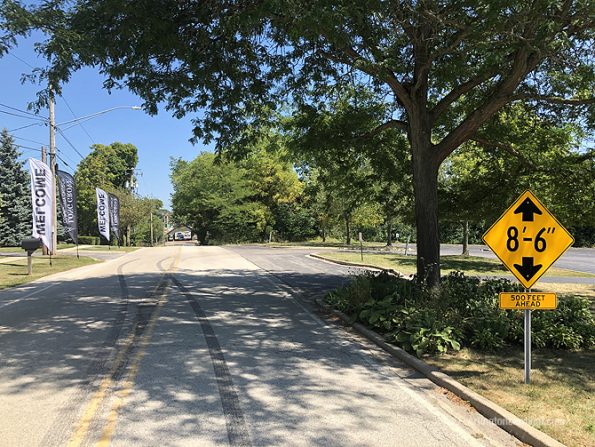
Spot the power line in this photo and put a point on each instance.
(93, 115)
(20, 116)
(75, 117)
(24, 111)
(27, 147)
(67, 157)
(22, 60)
(39, 142)
(78, 121)
(68, 141)
(34, 149)
(28, 150)
(62, 160)
(25, 127)
(26, 139)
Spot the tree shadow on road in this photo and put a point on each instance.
(298, 381)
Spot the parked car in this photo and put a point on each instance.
(179, 236)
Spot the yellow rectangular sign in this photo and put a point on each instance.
(528, 300)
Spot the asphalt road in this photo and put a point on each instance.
(207, 346)
(577, 259)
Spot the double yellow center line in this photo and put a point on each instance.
(107, 383)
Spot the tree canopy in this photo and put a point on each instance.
(531, 152)
(231, 200)
(359, 169)
(446, 67)
(107, 166)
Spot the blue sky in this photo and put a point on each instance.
(157, 137)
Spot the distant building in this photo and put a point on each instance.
(180, 233)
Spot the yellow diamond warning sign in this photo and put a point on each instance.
(528, 239)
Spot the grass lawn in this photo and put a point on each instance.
(107, 248)
(11, 250)
(330, 242)
(62, 246)
(471, 266)
(560, 400)
(15, 272)
(20, 250)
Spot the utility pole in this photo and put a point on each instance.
(151, 228)
(129, 226)
(53, 169)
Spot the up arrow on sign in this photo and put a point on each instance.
(528, 209)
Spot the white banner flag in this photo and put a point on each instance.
(103, 213)
(42, 196)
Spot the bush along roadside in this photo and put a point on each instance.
(89, 240)
(462, 311)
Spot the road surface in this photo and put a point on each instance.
(577, 259)
(207, 346)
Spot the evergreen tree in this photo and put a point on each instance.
(1, 218)
(15, 209)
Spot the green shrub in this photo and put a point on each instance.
(384, 284)
(461, 311)
(89, 240)
(379, 314)
(487, 339)
(571, 326)
(350, 298)
(422, 332)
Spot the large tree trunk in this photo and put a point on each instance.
(347, 230)
(389, 230)
(201, 235)
(465, 238)
(425, 187)
(128, 234)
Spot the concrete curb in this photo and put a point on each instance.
(353, 264)
(498, 415)
(559, 279)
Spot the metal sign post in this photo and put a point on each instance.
(527, 346)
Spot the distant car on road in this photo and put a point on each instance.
(180, 236)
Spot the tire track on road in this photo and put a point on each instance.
(237, 430)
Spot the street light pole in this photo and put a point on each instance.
(53, 126)
(52, 119)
